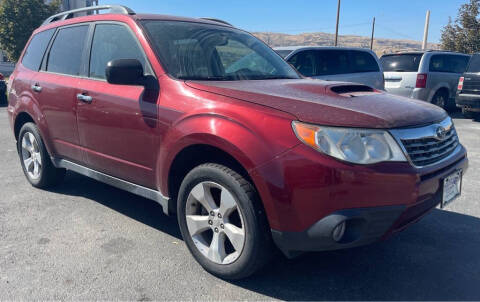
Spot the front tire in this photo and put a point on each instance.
(35, 160)
(222, 222)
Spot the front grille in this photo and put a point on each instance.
(425, 151)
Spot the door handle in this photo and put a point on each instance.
(36, 88)
(84, 98)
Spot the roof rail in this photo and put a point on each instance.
(114, 9)
(216, 20)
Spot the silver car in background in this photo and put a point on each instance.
(358, 65)
(430, 76)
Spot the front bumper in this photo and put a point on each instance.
(309, 194)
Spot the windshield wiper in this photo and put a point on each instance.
(212, 78)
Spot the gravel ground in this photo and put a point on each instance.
(86, 240)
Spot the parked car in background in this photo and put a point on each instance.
(468, 90)
(245, 152)
(430, 76)
(3, 90)
(357, 65)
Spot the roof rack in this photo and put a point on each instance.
(114, 9)
(216, 20)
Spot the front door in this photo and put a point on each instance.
(116, 126)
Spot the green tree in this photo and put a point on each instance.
(18, 19)
(448, 37)
(464, 34)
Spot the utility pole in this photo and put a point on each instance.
(338, 20)
(425, 31)
(373, 33)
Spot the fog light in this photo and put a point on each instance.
(339, 231)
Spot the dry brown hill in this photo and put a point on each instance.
(380, 45)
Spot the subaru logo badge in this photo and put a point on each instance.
(440, 133)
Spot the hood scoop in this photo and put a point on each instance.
(351, 91)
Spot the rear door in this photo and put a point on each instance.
(117, 126)
(400, 72)
(56, 83)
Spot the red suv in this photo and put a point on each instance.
(212, 124)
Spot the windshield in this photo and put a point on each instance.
(401, 63)
(196, 51)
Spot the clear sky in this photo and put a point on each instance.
(397, 19)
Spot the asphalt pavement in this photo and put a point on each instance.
(85, 240)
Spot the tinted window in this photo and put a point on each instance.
(362, 61)
(111, 42)
(36, 49)
(305, 62)
(198, 51)
(331, 62)
(401, 63)
(66, 52)
(448, 63)
(474, 65)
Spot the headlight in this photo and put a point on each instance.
(360, 146)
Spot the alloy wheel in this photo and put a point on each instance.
(215, 222)
(31, 156)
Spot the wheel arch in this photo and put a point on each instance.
(21, 119)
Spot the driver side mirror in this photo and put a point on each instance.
(125, 72)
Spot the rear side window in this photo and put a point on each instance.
(36, 49)
(112, 42)
(401, 63)
(448, 63)
(67, 51)
(305, 62)
(363, 61)
(474, 65)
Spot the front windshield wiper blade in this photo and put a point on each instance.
(213, 78)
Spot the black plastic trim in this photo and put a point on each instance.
(364, 226)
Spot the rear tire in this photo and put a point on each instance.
(35, 160)
(441, 100)
(208, 194)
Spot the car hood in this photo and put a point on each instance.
(315, 101)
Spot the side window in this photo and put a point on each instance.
(457, 64)
(448, 63)
(304, 62)
(112, 42)
(67, 49)
(363, 61)
(330, 62)
(36, 49)
(438, 63)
